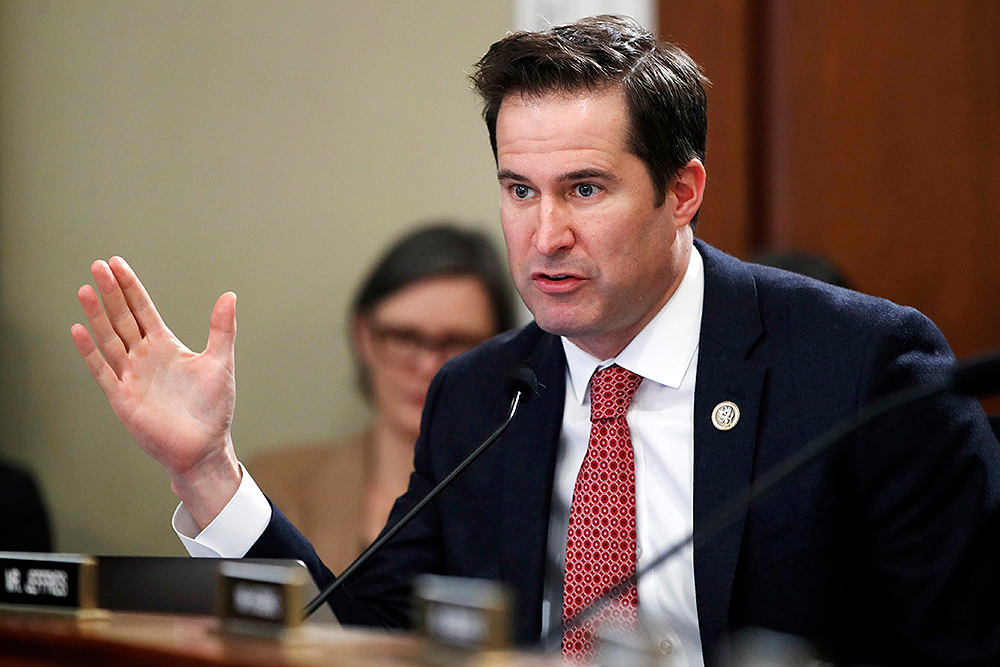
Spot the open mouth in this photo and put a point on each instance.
(556, 283)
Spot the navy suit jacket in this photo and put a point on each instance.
(882, 549)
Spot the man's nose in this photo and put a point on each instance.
(554, 230)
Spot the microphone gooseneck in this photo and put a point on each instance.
(520, 384)
(973, 378)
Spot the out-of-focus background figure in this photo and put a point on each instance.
(806, 264)
(440, 290)
(24, 519)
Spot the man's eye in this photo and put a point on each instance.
(521, 191)
(586, 190)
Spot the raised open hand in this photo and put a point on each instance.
(176, 405)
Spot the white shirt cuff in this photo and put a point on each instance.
(236, 528)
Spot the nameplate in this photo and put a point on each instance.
(461, 618)
(260, 599)
(61, 583)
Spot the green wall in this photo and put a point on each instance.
(266, 147)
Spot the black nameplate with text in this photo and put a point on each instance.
(461, 618)
(258, 599)
(48, 582)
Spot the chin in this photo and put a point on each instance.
(562, 322)
(570, 330)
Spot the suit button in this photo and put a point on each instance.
(666, 648)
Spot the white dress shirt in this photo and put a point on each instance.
(231, 534)
(661, 422)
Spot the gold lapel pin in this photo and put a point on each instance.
(725, 415)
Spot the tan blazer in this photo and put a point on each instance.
(320, 487)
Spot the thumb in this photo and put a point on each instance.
(222, 327)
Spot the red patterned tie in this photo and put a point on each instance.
(600, 547)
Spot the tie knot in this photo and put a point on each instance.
(611, 391)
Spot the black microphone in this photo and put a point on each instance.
(520, 384)
(976, 377)
(520, 377)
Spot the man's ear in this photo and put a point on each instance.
(685, 191)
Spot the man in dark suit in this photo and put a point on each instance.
(880, 550)
(883, 549)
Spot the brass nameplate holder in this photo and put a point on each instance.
(50, 583)
(461, 620)
(262, 600)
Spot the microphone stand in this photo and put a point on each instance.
(399, 525)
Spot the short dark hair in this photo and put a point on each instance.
(435, 249)
(663, 87)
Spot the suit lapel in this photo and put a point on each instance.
(723, 459)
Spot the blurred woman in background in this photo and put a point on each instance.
(440, 290)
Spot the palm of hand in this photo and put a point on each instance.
(174, 403)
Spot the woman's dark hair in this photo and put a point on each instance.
(432, 250)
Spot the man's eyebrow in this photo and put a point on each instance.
(579, 174)
(508, 175)
(591, 172)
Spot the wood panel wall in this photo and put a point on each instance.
(866, 132)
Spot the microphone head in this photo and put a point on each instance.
(978, 377)
(520, 377)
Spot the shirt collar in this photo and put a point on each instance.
(662, 351)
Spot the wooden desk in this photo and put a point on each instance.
(125, 639)
(182, 641)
